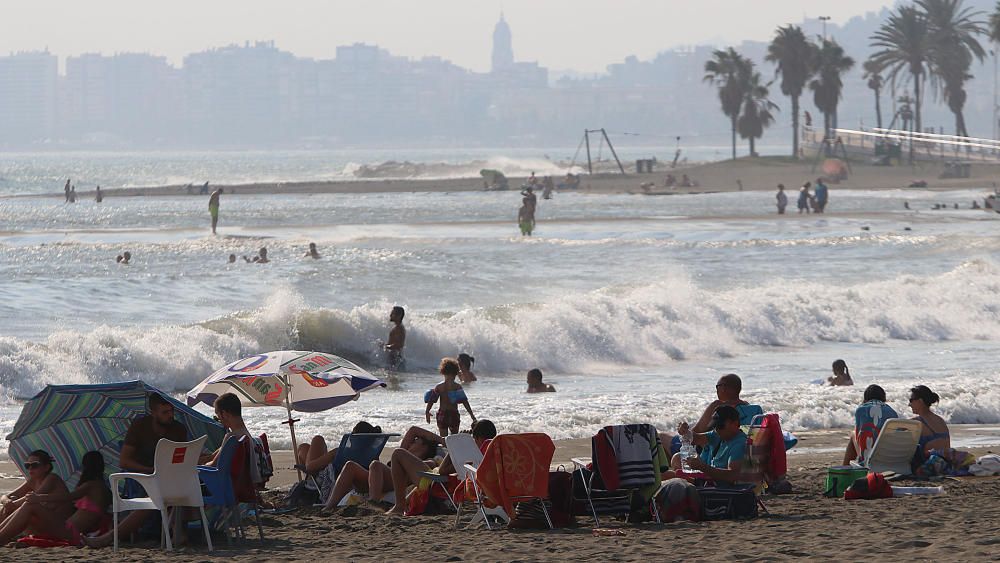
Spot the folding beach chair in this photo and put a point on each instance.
(463, 451)
(515, 468)
(624, 462)
(894, 447)
(765, 462)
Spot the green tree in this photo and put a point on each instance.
(831, 64)
(874, 76)
(757, 111)
(954, 30)
(730, 72)
(794, 57)
(903, 44)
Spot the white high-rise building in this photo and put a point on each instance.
(503, 50)
(27, 97)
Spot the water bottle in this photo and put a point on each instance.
(687, 450)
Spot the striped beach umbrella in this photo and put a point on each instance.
(68, 421)
(293, 379)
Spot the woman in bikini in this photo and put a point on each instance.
(934, 434)
(49, 510)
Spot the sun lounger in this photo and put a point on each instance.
(894, 447)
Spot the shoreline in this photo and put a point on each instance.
(744, 174)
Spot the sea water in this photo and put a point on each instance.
(631, 305)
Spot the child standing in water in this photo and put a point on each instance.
(465, 374)
(450, 394)
(535, 384)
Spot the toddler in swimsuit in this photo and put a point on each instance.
(450, 394)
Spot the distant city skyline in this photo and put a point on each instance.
(578, 35)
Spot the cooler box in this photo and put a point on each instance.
(839, 478)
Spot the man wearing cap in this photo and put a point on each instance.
(723, 446)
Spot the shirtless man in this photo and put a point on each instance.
(397, 340)
(213, 207)
(313, 253)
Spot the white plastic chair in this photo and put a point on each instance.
(464, 454)
(894, 447)
(173, 483)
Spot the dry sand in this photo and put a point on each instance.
(963, 525)
(755, 174)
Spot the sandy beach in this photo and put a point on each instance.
(724, 176)
(962, 525)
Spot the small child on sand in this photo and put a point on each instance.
(451, 394)
(535, 384)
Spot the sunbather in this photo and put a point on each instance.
(483, 432)
(408, 461)
(41, 480)
(376, 480)
(934, 434)
(869, 418)
(317, 459)
(44, 514)
(723, 446)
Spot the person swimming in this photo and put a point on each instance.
(465, 374)
(261, 257)
(535, 384)
(313, 253)
(841, 375)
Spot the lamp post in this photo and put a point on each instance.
(824, 19)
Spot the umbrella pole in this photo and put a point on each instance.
(291, 428)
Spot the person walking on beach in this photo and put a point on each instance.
(449, 394)
(821, 195)
(782, 199)
(804, 197)
(397, 340)
(213, 207)
(66, 189)
(98, 197)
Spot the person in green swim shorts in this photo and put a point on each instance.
(213, 207)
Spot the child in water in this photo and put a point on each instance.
(450, 394)
(841, 375)
(465, 374)
(535, 384)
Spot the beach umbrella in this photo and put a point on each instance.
(296, 380)
(68, 421)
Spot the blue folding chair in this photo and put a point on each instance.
(362, 449)
(218, 485)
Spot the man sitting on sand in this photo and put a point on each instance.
(723, 447)
(138, 453)
(727, 389)
(869, 418)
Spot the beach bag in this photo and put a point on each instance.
(840, 478)
(677, 500)
(874, 486)
(559, 504)
(729, 503)
(988, 464)
(300, 495)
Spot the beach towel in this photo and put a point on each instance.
(869, 418)
(624, 455)
(940, 463)
(515, 466)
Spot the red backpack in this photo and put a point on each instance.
(872, 487)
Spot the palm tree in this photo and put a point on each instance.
(794, 56)
(954, 30)
(904, 45)
(874, 76)
(730, 72)
(756, 115)
(994, 25)
(831, 64)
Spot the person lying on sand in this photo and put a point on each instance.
(535, 384)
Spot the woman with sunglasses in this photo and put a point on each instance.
(52, 514)
(40, 480)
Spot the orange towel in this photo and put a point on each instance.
(516, 466)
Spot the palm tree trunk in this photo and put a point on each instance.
(752, 151)
(734, 136)
(878, 109)
(916, 92)
(795, 126)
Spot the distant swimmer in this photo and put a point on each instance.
(782, 199)
(66, 189)
(124, 257)
(804, 198)
(841, 375)
(98, 196)
(213, 206)
(232, 258)
(261, 257)
(465, 374)
(906, 205)
(313, 253)
(975, 205)
(397, 340)
(535, 384)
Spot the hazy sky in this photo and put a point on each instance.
(583, 35)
